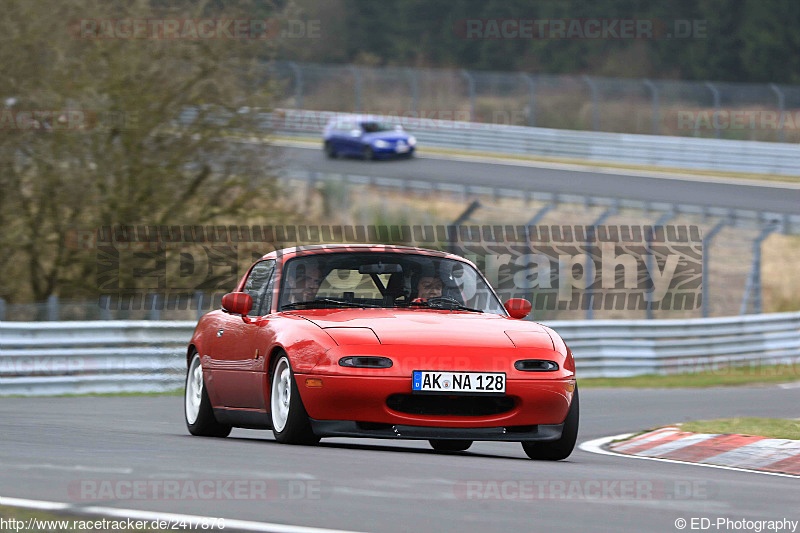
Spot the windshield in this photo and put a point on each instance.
(374, 127)
(377, 279)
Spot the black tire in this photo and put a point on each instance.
(561, 448)
(297, 429)
(330, 151)
(369, 153)
(205, 425)
(444, 445)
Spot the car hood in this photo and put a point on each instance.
(426, 327)
(386, 136)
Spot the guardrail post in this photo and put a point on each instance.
(414, 78)
(198, 301)
(656, 113)
(715, 94)
(753, 284)
(356, 86)
(595, 102)
(591, 233)
(781, 108)
(707, 238)
(104, 304)
(52, 307)
(463, 217)
(298, 84)
(154, 311)
(471, 89)
(663, 219)
(2, 309)
(531, 83)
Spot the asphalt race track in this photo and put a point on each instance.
(780, 199)
(49, 446)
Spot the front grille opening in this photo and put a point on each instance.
(415, 404)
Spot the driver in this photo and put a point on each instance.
(429, 287)
(304, 285)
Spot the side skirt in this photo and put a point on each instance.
(243, 418)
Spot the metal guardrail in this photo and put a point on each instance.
(137, 356)
(677, 152)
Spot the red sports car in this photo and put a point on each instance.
(379, 341)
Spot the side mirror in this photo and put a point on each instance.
(517, 307)
(237, 303)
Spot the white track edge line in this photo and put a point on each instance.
(596, 446)
(113, 512)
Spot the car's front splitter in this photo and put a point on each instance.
(349, 428)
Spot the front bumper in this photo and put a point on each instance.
(537, 402)
(348, 428)
(391, 151)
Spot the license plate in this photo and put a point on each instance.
(400, 148)
(458, 382)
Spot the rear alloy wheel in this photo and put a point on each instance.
(197, 411)
(445, 445)
(369, 153)
(290, 423)
(557, 449)
(330, 151)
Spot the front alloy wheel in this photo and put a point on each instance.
(290, 423)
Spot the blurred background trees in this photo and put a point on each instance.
(745, 40)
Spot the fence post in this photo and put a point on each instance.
(463, 217)
(155, 311)
(705, 274)
(595, 97)
(298, 84)
(715, 94)
(781, 108)
(649, 258)
(2, 309)
(471, 88)
(654, 95)
(52, 307)
(531, 83)
(591, 233)
(104, 306)
(753, 284)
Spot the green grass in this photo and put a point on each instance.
(776, 428)
(726, 376)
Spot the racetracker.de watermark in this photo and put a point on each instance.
(194, 29)
(579, 29)
(734, 119)
(87, 490)
(592, 489)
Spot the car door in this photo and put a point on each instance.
(238, 372)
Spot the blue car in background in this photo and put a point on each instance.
(366, 137)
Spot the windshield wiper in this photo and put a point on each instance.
(443, 302)
(327, 301)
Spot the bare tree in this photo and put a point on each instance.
(91, 132)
